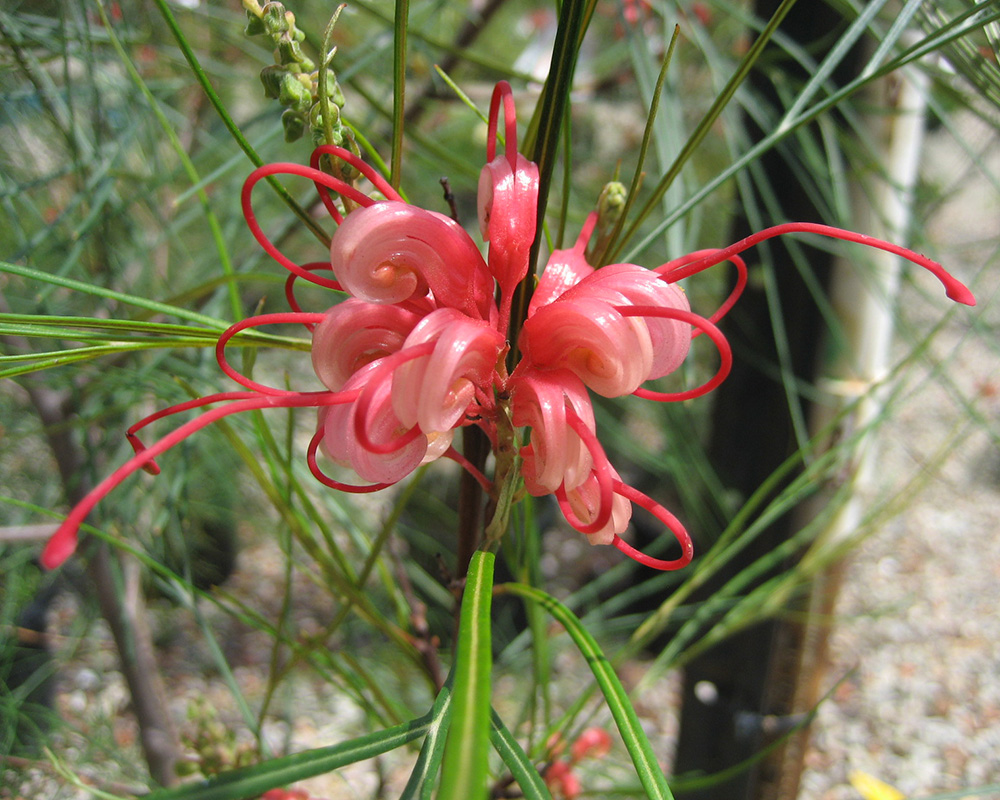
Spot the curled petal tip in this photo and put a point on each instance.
(150, 466)
(656, 563)
(961, 293)
(60, 547)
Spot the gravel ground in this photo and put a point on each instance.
(918, 637)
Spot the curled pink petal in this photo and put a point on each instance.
(435, 390)
(355, 333)
(325, 479)
(673, 524)
(366, 435)
(583, 509)
(374, 405)
(638, 286)
(610, 353)
(565, 269)
(555, 455)
(392, 251)
(591, 507)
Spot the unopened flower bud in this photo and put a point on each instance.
(289, 53)
(333, 90)
(610, 206)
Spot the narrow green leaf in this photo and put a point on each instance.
(254, 781)
(421, 782)
(63, 327)
(647, 136)
(635, 739)
(528, 778)
(466, 100)
(706, 123)
(109, 294)
(466, 757)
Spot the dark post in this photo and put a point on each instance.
(735, 694)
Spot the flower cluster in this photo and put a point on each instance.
(419, 347)
(560, 776)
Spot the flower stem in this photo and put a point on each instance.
(470, 497)
(506, 480)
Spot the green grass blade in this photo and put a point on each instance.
(647, 136)
(466, 765)
(110, 294)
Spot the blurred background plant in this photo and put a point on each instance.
(303, 617)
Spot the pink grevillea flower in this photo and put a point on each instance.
(559, 775)
(414, 261)
(612, 329)
(418, 348)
